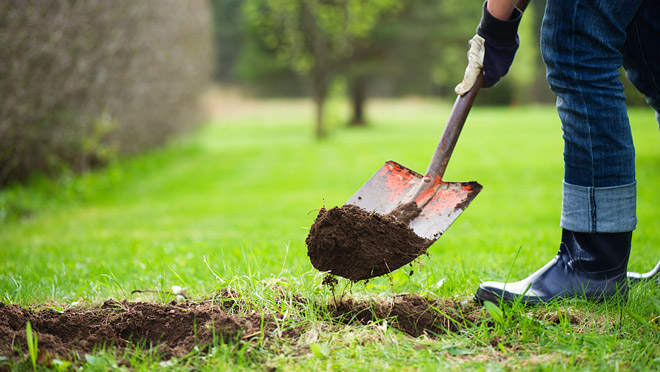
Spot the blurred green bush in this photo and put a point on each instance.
(83, 81)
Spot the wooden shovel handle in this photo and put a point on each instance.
(457, 117)
(459, 113)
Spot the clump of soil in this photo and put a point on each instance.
(355, 244)
(174, 329)
(407, 212)
(411, 314)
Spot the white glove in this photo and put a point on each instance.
(475, 64)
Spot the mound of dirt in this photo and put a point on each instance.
(411, 314)
(174, 329)
(355, 244)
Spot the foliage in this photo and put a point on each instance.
(315, 37)
(311, 34)
(417, 47)
(228, 36)
(83, 81)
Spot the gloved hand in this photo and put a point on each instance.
(493, 49)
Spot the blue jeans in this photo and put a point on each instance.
(583, 43)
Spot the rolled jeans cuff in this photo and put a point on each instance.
(599, 209)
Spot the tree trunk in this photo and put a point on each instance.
(319, 91)
(358, 93)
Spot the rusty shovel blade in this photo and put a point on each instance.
(436, 203)
(394, 185)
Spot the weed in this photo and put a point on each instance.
(33, 344)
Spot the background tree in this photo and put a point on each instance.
(367, 65)
(315, 37)
(413, 47)
(228, 35)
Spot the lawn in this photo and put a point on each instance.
(226, 210)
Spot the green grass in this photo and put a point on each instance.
(230, 206)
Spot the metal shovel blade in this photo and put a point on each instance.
(394, 185)
(436, 203)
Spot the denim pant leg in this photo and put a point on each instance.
(582, 43)
(641, 53)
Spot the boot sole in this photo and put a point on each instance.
(483, 295)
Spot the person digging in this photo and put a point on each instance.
(583, 43)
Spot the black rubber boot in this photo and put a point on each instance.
(588, 265)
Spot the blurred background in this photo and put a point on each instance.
(152, 143)
(84, 81)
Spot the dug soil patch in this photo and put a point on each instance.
(355, 244)
(411, 314)
(174, 329)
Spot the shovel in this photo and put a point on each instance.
(356, 245)
(427, 203)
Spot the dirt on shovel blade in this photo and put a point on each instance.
(355, 244)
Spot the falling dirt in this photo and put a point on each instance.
(355, 244)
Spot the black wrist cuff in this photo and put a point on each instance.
(499, 32)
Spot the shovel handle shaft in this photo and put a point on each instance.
(459, 113)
